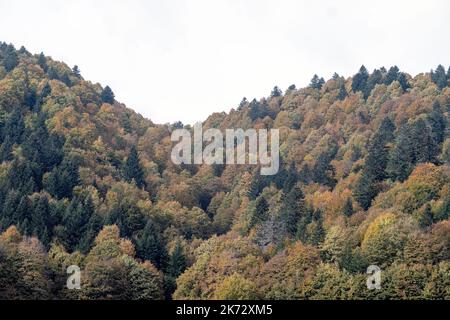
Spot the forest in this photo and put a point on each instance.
(364, 180)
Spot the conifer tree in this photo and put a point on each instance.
(10, 59)
(437, 122)
(392, 75)
(426, 217)
(375, 78)
(316, 82)
(359, 82)
(260, 212)
(133, 169)
(318, 232)
(439, 77)
(342, 91)
(150, 245)
(378, 153)
(177, 261)
(426, 148)
(294, 208)
(276, 92)
(365, 190)
(93, 227)
(42, 62)
(348, 207)
(401, 158)
(76, 71)
(107, 95)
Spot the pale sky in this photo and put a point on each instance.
(184, 59)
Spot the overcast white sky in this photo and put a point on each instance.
(184, 59)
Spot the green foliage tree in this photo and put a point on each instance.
(439, 77)
(133, 169)
(365, 190)
(359, 82)
(10, 58)
(107, 95)
(42, 62)
(294, 208)
(316, 82)
(342, 90)
(348, 208)
(261, 211)
(76, 71)
(276, 92)
(62, 179)
(426, 217)
(378, 151)
(438, 124)
(150, 246)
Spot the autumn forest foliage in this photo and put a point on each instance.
(364, 180)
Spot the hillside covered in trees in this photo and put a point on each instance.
(364, 180)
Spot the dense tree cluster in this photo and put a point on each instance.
(364, 179)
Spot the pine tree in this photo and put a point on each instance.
(316, 82)
(46, 91)
(42, 62)
(378, 153)
(6, 149)
(10, 59)
(437, 122)
(176, 265)
(132, 220)
(439, 77)
(22, 177)
(75, 220)
(348, 207)
(133, 169)
(52, 74)
(302, 225)
(177, 261)
(243, 103)
(401, 158)
(23, 209)
(66, 79)
(425, 147)
(76, 71)
(365, 190)
(10, 205)
(276, 92)
(40, 219)
(403, 81)
(359, 82)
(256, 185)
(150, 245)
(261, 211)
(305, 174)
(426, 217)
(375, 78)
(294, 208)
(342, 90)
(323, 171)
(291, 178)
(94, 226)
(15, 126)
(444, 213)
(392, 75)
(107, 95)
(62, 179)
(318, 232)
(257, 110)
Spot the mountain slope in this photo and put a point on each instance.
(364, 180)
